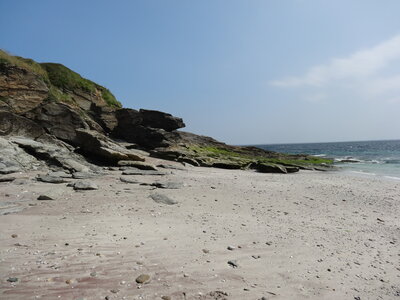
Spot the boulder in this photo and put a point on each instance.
(53, 154)
(105, 116)
(15, 125)
(158, 119)
(85, 185)
(95, 145)
(58, 119)
(268, 168)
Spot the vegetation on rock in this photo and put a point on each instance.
(60, 79)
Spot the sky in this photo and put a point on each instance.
(243, 72)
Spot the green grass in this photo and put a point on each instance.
(225, 154)
(24, 63)
(67, 80)
(59, 79)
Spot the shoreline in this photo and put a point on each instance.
(232, 234)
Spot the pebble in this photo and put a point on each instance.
(233, 263)
(166, 298)
(231, 248)
(12, 279)
(143, 278)
(85, 185)
(206, 251)
(14, 236)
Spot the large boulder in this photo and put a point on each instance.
(57, 154)
(105, 116)
(15, 125)
(99, 147)
(20, 89)
(158, 119)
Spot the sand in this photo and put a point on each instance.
(309, 235)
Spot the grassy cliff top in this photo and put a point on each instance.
(59, 78)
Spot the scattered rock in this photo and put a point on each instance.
(83, 175)
(231, 248)
(14, 235)
(166, 298)
(12, 279)
(143, 278)
(85, 185)
(218, 295)
(160, 198)
(233, 263)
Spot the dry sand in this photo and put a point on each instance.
(310, 235)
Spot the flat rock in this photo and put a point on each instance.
(83, 175)
(9, 170)
(60, 174)
(129, 180)
(168, 185)
(85, 185)
(142, 172)
(6, 178)
(50, 179)
(137, 164)
(163, 199)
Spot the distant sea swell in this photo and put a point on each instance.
(375, 158)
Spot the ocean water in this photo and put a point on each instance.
(371, 158)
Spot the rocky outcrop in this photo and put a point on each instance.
(15, 125)
(58, 119)
(21, 90)
(102, 148)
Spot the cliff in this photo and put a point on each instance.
(63, 119)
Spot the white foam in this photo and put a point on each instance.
(392, 177)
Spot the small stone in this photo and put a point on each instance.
(114, 291)
(206, 251)
(233, 263)
(166, 298)
(68, 281)
(12, 279)
(143, 278)
(93, 274)
(14, 236)
(231, 248)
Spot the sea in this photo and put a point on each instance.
(369, 158)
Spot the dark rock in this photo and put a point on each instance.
(228, 165)
(268, 168)
(105, 116)
(142, 172)
(233, 263)
(58, 119)
(137, 164)
(6, 178)
(163, 199)
(97, 145)
(12, 279)
(15, 125)
(143, 278)
(158, 119)
(168, 185)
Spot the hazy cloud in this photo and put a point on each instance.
(359, 73)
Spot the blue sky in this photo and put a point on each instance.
(244, 72)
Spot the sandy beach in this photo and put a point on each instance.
(231, 235)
